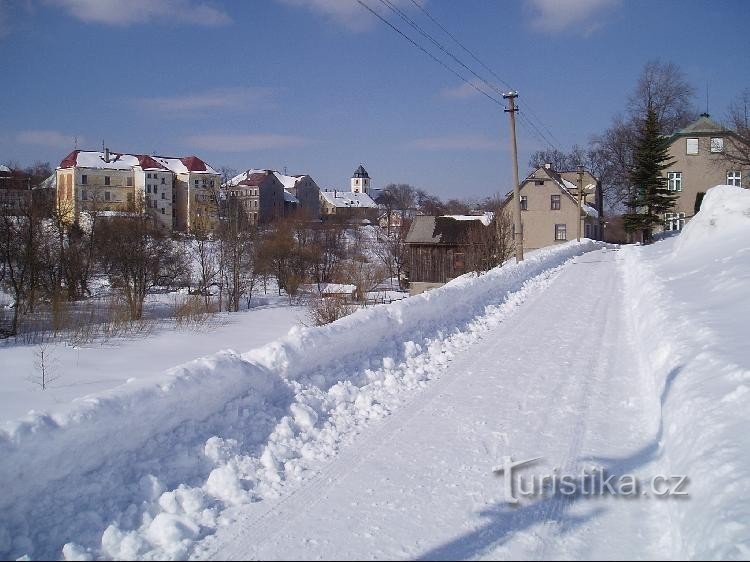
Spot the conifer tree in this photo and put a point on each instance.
(650, 197)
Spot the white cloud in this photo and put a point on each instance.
(237, 99)
(245, 142)
(556, 16)
(347, 13)
(465, 90)
(119, 12)
(54, 139)
(456, 142)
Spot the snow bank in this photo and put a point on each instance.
(689, 316)
(144, 470)
(724, 216)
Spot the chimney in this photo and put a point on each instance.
(106, 155)
(548, 165)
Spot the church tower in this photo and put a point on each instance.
(360, 180)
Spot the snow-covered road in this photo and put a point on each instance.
(559, 379)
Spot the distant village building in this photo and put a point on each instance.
(437, 249)
(298, 193)
(549, 207)
(700, 162)
(15, 192)
(351, 206)
(259, 193)
(178, 193)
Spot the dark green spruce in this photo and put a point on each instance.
(650, 197)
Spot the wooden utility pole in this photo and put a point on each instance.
(517, 227)
(580, 195)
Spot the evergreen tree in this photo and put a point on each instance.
(650, 197)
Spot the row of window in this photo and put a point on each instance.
(674, 180)
(205, 183)
(554, 203)
(691, 145)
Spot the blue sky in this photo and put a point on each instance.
(318, 86)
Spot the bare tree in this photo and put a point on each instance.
(19, 245)
(46, 367)
(238, 255)
(137, 256)
(737, 146)
(391, 249)
(664, 87)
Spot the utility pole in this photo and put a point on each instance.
(580, 195)
(517, 232)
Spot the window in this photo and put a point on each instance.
(107, 180)
(561, 232)
(674, 181)
(674, 221)
(84, 195)
(148, 176)
(691, 146)
(129, 182)
(554, 203)
(734, 178)
(163, 195)
(539, 182)
(717, 144)
(148, 188)
(196, 183)
(524, 203)
(162, 181)
(84, 179)
(107, 196)
(163, 211)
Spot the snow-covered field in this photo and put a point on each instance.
(87, 369)
(376, 436)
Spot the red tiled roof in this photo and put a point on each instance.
(146, 162)
(254, 179)
(194, 164)
(70, 160)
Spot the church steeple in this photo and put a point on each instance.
(360, 180)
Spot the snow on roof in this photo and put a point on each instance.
(486, 218)
(119, 161)
(346, 199)
(289, 182)
(4, 168)
(289, 198)
(185, 164)
(49, 183)
(590, 211)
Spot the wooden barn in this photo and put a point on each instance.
(436, 249)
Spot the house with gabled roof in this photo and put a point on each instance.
(699, 162)
(549, 207)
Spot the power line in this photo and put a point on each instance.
(488, 69)
(429, 54)
(435, 42)
(449, 34)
